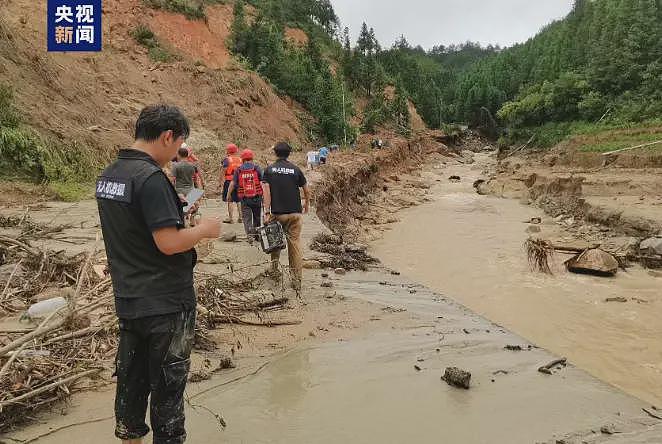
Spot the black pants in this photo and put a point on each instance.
(251, 215)
(153, 358)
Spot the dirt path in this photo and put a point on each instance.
(470, 248)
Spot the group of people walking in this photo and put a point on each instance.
(274, 192)
(150, 244)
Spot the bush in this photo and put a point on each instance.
(71, 191)
(20, 153)
(190, 8)
(159, 54)
(144, 36)
(9, 116)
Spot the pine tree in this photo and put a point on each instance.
(400, 111)
(364, 43)
(239, 28)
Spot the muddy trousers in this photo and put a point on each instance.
(292, 225)
(251, 215)
(153, 361)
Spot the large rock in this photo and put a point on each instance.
(594, 261)
(652, 245)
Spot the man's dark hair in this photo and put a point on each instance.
(282, 150)
(182, 152)
(154, 120)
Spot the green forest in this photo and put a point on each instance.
(601, 65)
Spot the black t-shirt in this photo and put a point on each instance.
(284, 180)
(136, 198)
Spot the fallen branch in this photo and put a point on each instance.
(547, 369)
(64, 427)
(632, 148)
(229, 319)
(23, 245)
(652, 414)
(11, 276)
(232, 381)
(12, 358)
(522, 147)
(43, 329)
(273, 303)
(77, 334)
(47, 388)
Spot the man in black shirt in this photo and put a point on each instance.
(282, 202)
(151, 258)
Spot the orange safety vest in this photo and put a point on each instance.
(234, 162)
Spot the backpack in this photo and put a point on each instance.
(249, 185)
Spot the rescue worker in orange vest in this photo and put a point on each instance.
(229, 166)
(247, 181)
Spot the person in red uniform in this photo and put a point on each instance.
(247, 180)
(230, 164)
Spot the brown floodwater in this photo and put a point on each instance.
(366, 389)
(470, 248)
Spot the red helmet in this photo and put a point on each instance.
(232, 149)
(247, 155)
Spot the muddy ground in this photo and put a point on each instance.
(365, 366)
(365, 363)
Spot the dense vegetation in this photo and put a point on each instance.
(302, 72)
(601, 63)
(326, 75)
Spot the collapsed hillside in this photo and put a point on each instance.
(84, 105)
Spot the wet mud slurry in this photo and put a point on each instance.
(370, 369)
(470, 247)
(367, 389)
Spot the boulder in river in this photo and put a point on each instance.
(652, 245)
(457, 377)
(593, 261)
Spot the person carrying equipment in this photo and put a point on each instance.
(230, 164)
(282, 202)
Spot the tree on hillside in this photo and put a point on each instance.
(239, 28)
(400, 111)
(364, 42)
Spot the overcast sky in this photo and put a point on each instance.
(432, 22)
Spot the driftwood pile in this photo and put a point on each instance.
(44, 360)
(340, 254)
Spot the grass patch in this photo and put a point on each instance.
(619, 141)
(70, 191)
(160, 55)
(192, 9)
(145, 37)
(606, 135)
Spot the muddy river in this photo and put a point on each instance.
(470, 248)
(367, 389)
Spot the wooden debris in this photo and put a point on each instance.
(547, 369)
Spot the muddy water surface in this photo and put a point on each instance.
(470, 248)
